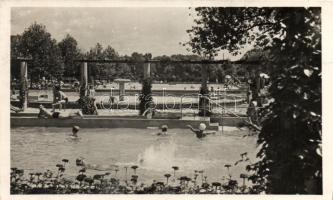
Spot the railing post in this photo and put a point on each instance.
(135, 96)
(163, 94)
(181, 107)
(235, 104)
(225, 96)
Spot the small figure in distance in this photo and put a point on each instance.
(149, 113)
(200, 132)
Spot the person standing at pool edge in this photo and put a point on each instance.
(200, 132)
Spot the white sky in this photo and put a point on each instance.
(127, 30)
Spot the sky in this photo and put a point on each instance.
(127, 29)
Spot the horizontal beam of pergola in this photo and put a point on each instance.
(169, 61)
(157, 61)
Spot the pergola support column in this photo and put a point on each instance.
(204, 75)
(24, 84)
(146, 70)
(84, 77)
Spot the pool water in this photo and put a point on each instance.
(41, 148)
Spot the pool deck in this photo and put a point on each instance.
(122, 119)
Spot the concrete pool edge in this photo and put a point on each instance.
(105, 122)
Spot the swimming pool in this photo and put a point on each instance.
(40, 148)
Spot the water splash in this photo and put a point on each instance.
(159, 156)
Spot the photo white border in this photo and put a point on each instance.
(327, 71)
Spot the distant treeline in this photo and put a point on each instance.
(56, 60)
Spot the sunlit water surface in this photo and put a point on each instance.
(40, 148)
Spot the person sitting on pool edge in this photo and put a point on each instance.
(43, 113)
(60, 98)
(149, 113)
(15, 109)
(200, 132)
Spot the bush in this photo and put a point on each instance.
(145, 97)
(204, 102)
(87, 105)
(50, 182)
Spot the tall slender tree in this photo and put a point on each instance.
(69, 52)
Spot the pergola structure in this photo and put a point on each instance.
(146, 68)
(147, 64)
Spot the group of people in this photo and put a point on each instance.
(200, 132)
(44, 113)
(60, 100)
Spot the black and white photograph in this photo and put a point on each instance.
(158, 100)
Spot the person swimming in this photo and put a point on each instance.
(164, 131)
(200, 132)
(75, 130)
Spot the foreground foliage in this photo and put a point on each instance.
(290, 140)
(50, 182)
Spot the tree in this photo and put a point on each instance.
(37, 43)
(69, 52)
(137, 67)
(290, 139)
(110, 53)
(96, 53)
(15, 53)
(108, 69)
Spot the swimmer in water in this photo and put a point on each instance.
(164, 131)
(200, 132)
(75, 130)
